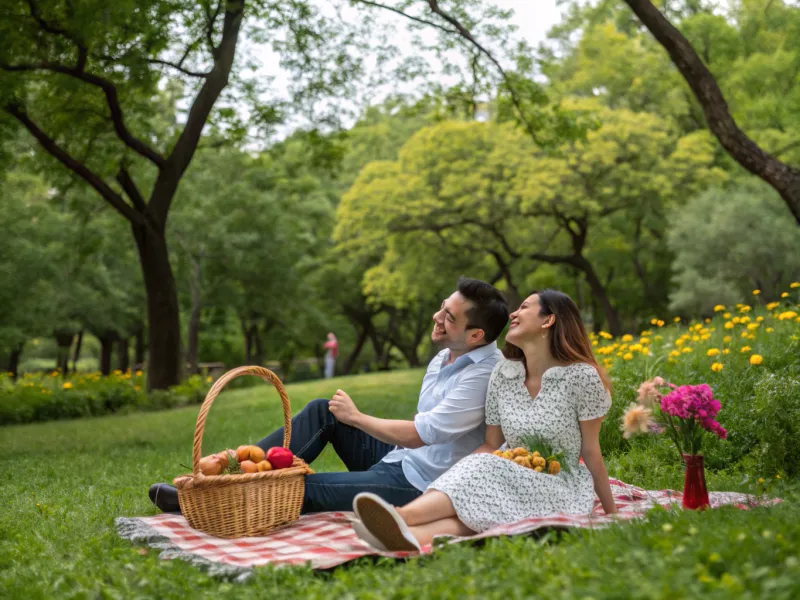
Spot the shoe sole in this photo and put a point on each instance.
(363, 533)
(382, 525)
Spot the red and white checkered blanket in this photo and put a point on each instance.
(325, 540)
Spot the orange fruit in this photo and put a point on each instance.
(243, 453)
(264, 466)
(257, 454)
(248, 466)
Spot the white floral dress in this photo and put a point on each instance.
(488, 490)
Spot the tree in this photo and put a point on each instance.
(782, 177)
(481, 198)
(59, 60)
(87, 89)
(729, 241)
(457, 22)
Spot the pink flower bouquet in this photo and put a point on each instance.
(684, 412)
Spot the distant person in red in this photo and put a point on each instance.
(332, 347)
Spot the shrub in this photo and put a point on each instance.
(50, 397)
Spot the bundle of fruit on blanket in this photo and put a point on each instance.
(536, 454)
(246, 459)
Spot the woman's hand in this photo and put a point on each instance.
(493, 440)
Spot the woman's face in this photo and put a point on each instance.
(526, 322)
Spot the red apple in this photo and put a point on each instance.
(280, 458)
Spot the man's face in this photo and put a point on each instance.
(450, 325)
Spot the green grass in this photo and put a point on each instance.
(63, 483)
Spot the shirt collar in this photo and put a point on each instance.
(477, 355)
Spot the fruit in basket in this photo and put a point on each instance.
(519, 452)
(248, 466)
(257, 454)
(538, 461)
(264, 465)
(211, 465)
(280, 458)
(225, 457)
(554, 467)
(243, 453)
(498, 453)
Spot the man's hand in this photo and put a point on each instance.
(343, 408)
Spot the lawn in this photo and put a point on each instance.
(62, 484)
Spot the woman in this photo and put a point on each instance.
(550, 385)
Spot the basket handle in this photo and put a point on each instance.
(220, 383)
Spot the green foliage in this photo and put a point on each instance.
(51, 397)
(728, 242)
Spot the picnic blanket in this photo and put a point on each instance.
(325, 540)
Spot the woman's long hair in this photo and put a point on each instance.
(568, 342)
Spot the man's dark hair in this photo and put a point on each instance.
(489, 309)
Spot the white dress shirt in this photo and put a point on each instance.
(451, 417)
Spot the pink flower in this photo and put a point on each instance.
(694, 402)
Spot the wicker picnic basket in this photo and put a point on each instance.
(251, 504)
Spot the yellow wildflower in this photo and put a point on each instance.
(67, 385)
(727, 315)
(769, 330)
(785, 295)
(719, 308)
(756, 292)
(773, 305)
(786, 315)
(745, 349)
(627, 338)
(752, 326)
(674, 353)
(794, 284)
(736, 320)
(627, 356)
(712, 352)
(677, 319)
(756, 359)
(728, 325)
(727, 339)
(686, 350)
(726, 351)
(744, 309)
(717, 367)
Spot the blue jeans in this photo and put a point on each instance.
(312, 429)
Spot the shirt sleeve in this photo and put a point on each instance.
(492, 404)
(593, 398)
(461, 411)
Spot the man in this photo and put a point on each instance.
(399, 459)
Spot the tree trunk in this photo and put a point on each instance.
(123, 359)
(599, 292)
(76, 353)
(248, 343)
(163, 315)
(363, 334)
(782, 177)
(64, 341)
(139, 354)
(13, 361)
(193, 342)
(107, 339)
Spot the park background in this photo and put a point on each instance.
(191, 186)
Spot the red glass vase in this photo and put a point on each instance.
(695, 493)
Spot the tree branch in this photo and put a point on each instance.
(177, 67)
(124, 179)
(112, 99)
(408, 16)
(178, 161)
(464, 32)
(745, 151)
(52, 148)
